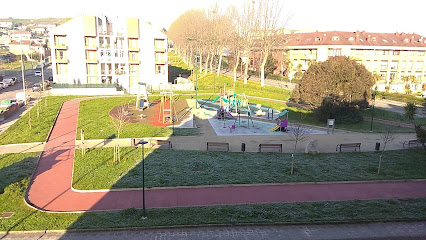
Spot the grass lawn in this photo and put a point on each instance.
(169, 168)
(20, 132)
(95, 120)
(304, 116)
(15, 170)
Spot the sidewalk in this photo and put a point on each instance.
(50, 186)
(377, 230)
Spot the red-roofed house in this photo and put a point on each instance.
(20, 35)
(391, 55)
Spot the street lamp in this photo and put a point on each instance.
(23, 74)
(141, 142)
(373, 96)
(42, 66)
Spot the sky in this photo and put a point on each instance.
(326, 15)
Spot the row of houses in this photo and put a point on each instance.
(394, 57)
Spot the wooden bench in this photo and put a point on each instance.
(165, 144)
(409, 143)
(278, 146)
(349, 145)
(220, 145)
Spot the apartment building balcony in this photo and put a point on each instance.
(160, 61)
(94, 47)
(61, 60)
(93, 60)
(134, 61)
(159, 49)
(61, 46)
(133, 49)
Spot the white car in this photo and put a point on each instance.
(4, 84)
(37, 73)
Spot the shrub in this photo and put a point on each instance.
(343, 112)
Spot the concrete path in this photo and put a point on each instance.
(379, 230)
(50, 186)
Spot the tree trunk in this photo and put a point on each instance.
(207, 63)
(262, 69)
(246, 72)
(380, 159)
(220, 63)
(201, 63)
(211, 63)
(237, 62)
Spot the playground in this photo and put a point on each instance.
(229, 114)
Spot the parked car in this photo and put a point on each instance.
(37, 73)
(36, 87)
(10, 81)
(4, 84)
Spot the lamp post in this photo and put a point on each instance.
(23, 74)
(141, 142)
(373, 96)
(196, 81)
(42, 67)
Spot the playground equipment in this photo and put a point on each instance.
(282, 124)
(167, 112)
(142, 102)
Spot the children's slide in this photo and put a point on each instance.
(274, 128)
(230, 115)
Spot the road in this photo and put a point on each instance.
(30, 79)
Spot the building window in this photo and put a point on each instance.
(295, 52)
(92, 69)
(402, 66)
(374, 64)
(420, 53)
(159, 43)
(385, 52)
(60, 55)
(394, 65)
(335, 38)
(419, 65)
(159, 69)
(395, 52)
(392, 76)
(62, 69)
(384, 65)
(351, 38)
(317, 39)
(403, 53)
(159, 57)
(374, 39)
(382, 75)
(358, 52)
(133, 43)
(418, 76)
(367, 64)
(134, 68)
(410, 53)
(410, 65)
(334, 52)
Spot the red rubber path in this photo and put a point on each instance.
(50, 186)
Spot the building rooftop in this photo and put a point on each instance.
(358, 38)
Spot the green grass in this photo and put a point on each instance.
(170, 168)
(400, 97)
(20, 131)
(304, 116)
(95, 120)
(18, 168)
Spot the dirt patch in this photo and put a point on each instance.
(152, 115)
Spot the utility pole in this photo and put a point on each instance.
(23, 74)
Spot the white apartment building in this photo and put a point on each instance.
(109, 50)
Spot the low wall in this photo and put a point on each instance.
(85, 91)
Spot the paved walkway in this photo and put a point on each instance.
(50, 187)
(379, 230)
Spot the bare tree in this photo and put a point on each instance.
(119, 122)
(297, 134)
(270, 30)
(386, 137)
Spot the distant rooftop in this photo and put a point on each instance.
(358, 38)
